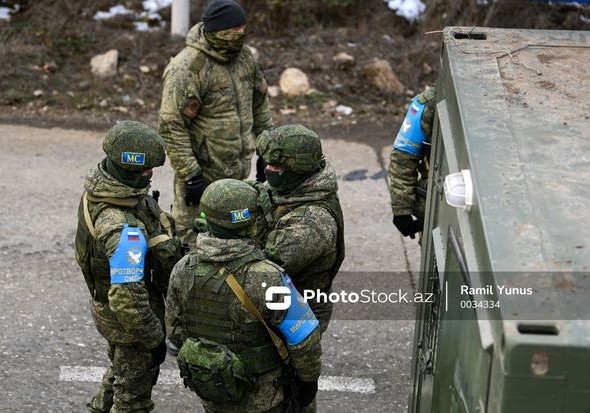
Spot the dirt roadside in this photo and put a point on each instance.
(46, 47)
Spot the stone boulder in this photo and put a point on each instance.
(380, 74)
(294, 82)
(105, 65)
(343, 60)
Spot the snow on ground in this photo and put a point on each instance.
(113, 11)
(408, 9)
(150, 7)
(5, 13)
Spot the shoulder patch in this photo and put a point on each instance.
(191, 107)
(128, 262)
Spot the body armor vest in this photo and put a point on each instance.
(208, 315)
(93, 260)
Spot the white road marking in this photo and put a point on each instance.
(171, 377)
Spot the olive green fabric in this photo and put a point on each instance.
(409, 172)
(211, 112)
(130, 376)
(192, 302)
(213, 371)
(229, 203)
(303, 232)
(135, 138)
(208, 297)
(125, 314)
(228, 43)
(294, 147)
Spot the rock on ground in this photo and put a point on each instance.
(105, 65)
(294, 82)
(380, 74)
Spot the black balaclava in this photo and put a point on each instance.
(133, 179)
(286, 181)
(221, 232)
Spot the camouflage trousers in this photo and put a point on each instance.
(185, 216)
(127, 383)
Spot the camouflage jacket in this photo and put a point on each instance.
(409, 173)
(212, 110)
(305, 356)
(301, 235)
(133, 312)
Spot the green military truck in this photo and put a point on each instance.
(506, 241)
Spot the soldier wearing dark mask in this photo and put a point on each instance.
(214, 105)
(126, 248)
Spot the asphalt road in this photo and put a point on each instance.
(50, 351)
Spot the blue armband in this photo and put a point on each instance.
(127, 263)
(300, 321)
(411, 138)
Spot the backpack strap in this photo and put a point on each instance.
(251, 308)
(87, 217)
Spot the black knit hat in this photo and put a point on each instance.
(223, 14)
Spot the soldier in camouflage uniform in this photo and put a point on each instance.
(126, 250)
(408, 166)
(201, 305)
(214, 104)
(303, 226)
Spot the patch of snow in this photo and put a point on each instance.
(343, 110)
(152, 6)
(113, 11)
(5, 13)
(142, 26)
(150, 16)
(408, 9)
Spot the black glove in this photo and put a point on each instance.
(407, 225)
(193, 190)
(260, 167)
(158, 354)
(307, 391)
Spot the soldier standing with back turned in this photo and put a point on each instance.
(126, 250)
(217, 311)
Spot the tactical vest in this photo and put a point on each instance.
(92, 258)
(332, 205)
(208, 314)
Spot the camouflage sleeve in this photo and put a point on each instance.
(168, 253)
(403, 180)
(261, 225)
(305, 357)
(129, 302)
(180, 105)
(261, 104)
(177, 288)
(302, 236)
